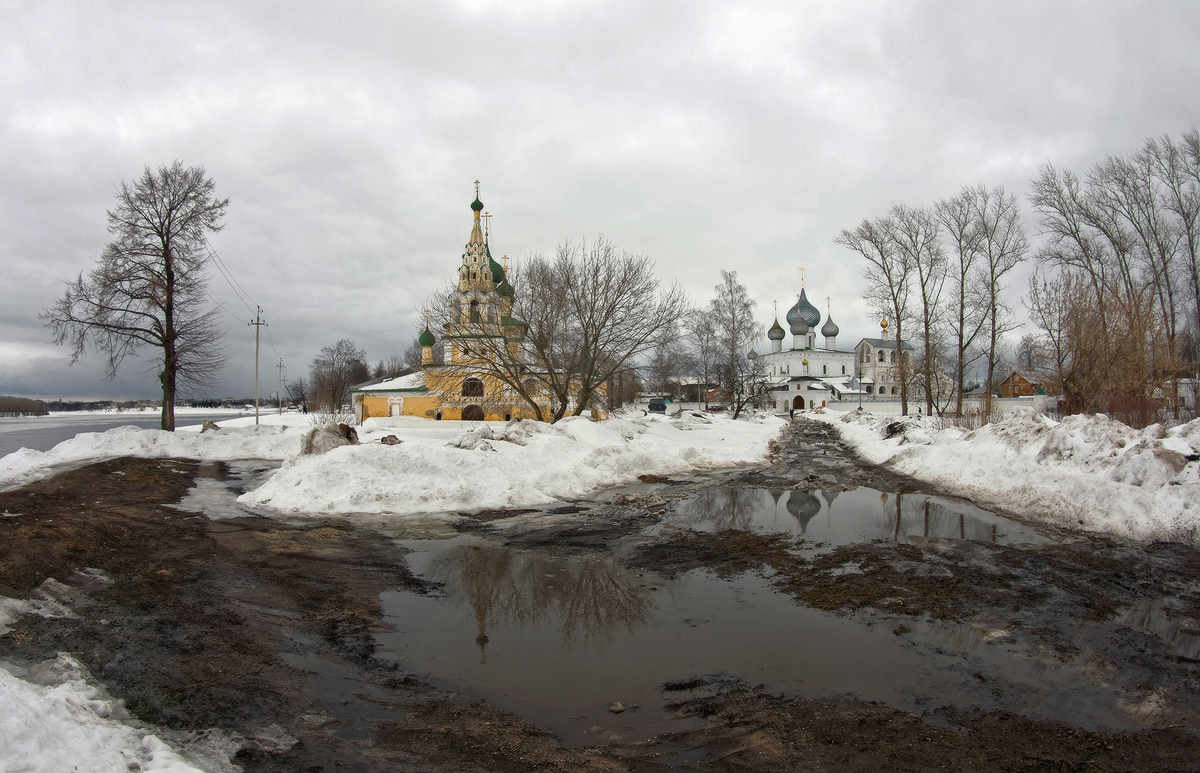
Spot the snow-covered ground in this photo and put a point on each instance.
(441, 466)
(57, 719)
(1085, 472)
(437, 466)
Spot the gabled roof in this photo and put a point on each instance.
(885, 343)
(413, 382)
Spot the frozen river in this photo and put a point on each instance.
(42, 433)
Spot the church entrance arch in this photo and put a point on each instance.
(472, 413)
(798, 402)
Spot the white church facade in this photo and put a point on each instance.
(807, 375)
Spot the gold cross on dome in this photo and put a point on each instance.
(476, 189)
(776, 305)
(802, 277)
(426, 317)
(505, 259)
(487, 221)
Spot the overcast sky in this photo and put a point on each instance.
(708, 135)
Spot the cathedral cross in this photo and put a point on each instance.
(487, 221)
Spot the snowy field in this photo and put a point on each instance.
(1085, 472)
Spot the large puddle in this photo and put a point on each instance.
(559, 639)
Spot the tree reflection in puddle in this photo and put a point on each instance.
(588, 599)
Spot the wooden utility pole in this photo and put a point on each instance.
(258, 325)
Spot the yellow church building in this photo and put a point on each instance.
(462, 387)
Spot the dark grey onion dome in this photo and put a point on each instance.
(810, 313)
(776, 332)
(830, 330)
(752, 355)
(799, 326)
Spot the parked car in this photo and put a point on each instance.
(657, 405)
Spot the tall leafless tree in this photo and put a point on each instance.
(149, 286)
(736, 331)
(705, 349)
(889, 283)
(1003, 245)
(915, 234)
(966, 317)
(337, 368)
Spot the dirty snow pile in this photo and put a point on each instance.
(448, 466)
(1086, 472)
(57, 719)
(238, 442)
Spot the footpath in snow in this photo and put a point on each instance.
(1085, 472)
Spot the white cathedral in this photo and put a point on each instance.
(805, 376)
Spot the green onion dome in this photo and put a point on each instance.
(426, 338)
(477, 205)
(505, 290)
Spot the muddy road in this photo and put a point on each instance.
(812, 613)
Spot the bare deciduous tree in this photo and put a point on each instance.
(916, 235)
(736, 331)
(149, 286)
(888, 277)
(1003, 246)
(337, 368)
(298, 392)
(957, 216)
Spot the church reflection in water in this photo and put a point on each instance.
(588, 598)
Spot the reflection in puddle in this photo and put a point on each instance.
(1159, 616)
(587, 599)
(847, 517)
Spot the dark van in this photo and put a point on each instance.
(657, 405)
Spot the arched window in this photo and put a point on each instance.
(824, 370)
(881, 356)
(893, 358)
(869, 388)
(843, 370)
(893, 390)
(474, 311)
(472, 387)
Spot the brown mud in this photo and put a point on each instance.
(253, 639)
